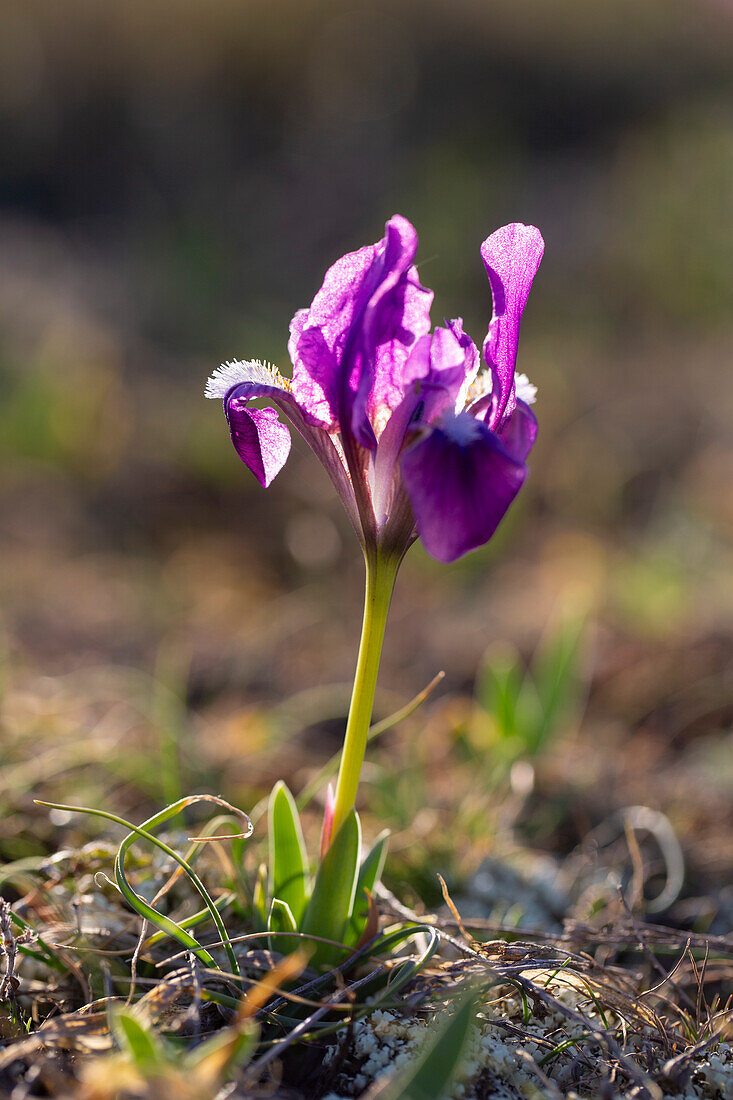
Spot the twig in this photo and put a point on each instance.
(602, 1036)
(9, 948)
(302, 1028)
(651, 956)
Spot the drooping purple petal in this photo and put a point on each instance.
(461, 479)
(246, 422)
(357, 334)
(260, 440)
(511, 257)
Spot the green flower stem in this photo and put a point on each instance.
(380, 578)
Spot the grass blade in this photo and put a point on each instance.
(557, 678)
(499, 686)
(138, 903)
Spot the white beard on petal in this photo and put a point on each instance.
(238, 371)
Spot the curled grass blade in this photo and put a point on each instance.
(138, 903)
(190, 922)
(209, 834)
(159, 819)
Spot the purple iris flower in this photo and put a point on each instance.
(419, 436)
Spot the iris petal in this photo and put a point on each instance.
(348, 349)
(320, 334)
(260, 439)
(395, 316)
(511, 257)
(461, 480)
(442, 370)
(519, 432)
(270, 436)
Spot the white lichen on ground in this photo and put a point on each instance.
(506, 1066)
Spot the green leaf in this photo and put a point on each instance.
(143, 1046)
(528, 716)
(288, 863)
(557, 678)
(499, 687)
(332, 901)
(281, 919)
(370, 873)
(430, 1076)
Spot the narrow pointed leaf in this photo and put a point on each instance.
(281, 919)
(330, 907)
(288, 865)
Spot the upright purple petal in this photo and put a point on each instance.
(511, 257)
(260, 440)
(437, 370)
(396, 315)
(460, 479)
(349, 347)
(320, 335)
(392, 438)
(442, 375)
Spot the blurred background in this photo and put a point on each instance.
(175, 176)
